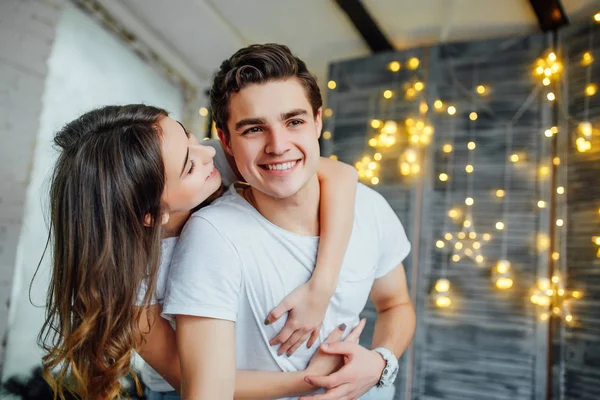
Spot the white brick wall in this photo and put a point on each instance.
(27, 29)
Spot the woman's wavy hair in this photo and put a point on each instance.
(108, 178)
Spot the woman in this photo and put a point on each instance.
(117, 196)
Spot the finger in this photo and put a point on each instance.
(299, 343)
(278, 311)
(285, 346)
(313, 338)
(336, 334)
(340, 348)
(283, 336)
(330, 381)
(334, 394)
(356, 332)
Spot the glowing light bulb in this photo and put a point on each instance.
(438, 104)
(443, 177)
(473, 116)
(413, 63)
(451, 110)
(469, 169)
(587, 59)
(440, 244)
(550, 96)
(481, 89)
(500, 193)
(388, 94)
(471, 145)
(331, 85)
(560, 222)
(541, 204)
(374, 180)
(376, 123)
(469, 201)
(326, 135)
(514, 158)
(394, 66)
(504, 283)
(447, 148)
(443, 302)
(499, 225)
(203, 111)
(442, 285)
(591, 89)
(560, 190)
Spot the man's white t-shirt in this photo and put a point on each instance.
(150, 377)
(232, 263)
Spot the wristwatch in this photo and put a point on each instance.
(388, 376)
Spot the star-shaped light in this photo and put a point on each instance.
(551, 297)
(467, 242)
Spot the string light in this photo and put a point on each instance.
(387, 136)
(413, 63)
(443, 177)
(409, 163)
(502, 276)
(541, 204)
(377, 156)
(326, 135)
(441, 293)
(438, 105)
(473, 116)
(550, 294)
(597, 17)
(591, 89)
(514, 158)
(367, 170)
(500, 193)
(469, 201)
(451, 110)
(203, 111)
(560, 190)
(328, 112)
(331, 85)
(499, 225)
(388, 94)
(551, 96)
(560, 222)
(376, 123)
(333, 157)
(418, 131)
(587, 59)
(596, 241)
(471, 145)
(394, 66)
(469, 169)
(447, 148)
(481, 89)
(548, 69)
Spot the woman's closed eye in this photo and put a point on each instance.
(192, 166)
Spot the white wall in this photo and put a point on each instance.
(27, 29)
(87, 68)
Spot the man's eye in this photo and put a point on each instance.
(295, 122)
(254, 129)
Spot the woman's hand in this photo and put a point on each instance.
(323, 364)
(306, 306)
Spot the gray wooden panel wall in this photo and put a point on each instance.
(581, 355)
(489, 344)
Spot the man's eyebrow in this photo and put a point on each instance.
(294, 113)
(249, 121)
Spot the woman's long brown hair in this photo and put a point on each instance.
(108, 177)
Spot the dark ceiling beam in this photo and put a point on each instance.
(366, 25)
(550, 14)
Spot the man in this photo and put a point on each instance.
(240, 257)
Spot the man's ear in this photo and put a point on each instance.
(319, 121)
(225, 141)
(163, 219)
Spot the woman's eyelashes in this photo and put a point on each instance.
(192, 166)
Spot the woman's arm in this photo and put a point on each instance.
(206, 348)
(160, 352)
(308, 303)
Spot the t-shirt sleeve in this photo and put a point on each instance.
(205, 275)
(227, 175)
(393, 242)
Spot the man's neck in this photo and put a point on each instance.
(298, 214)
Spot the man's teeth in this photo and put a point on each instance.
(281, 167)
